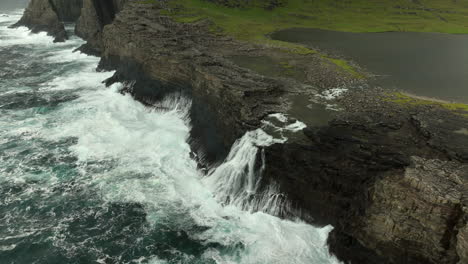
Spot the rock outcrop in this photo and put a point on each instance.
(95, 15)
(67, 10)
(393, 190)
(374, 172)
(181, 55)
(391, 178)
(49, 15)
(40, 15)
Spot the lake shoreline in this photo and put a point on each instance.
(374, 171)
(425, 64)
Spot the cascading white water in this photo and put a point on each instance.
(88, 174)
(236, 180)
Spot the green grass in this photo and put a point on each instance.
(404, 99)
(351, 16)
(254, 23)
(345, 66)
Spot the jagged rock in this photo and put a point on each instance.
(40, 15)
(95, 14)
(67, 10)
(49, 15)
(360, 173)
(180, 55)
(417, 213)
(462, 238)
(392, 180)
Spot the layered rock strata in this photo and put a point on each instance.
(95, 15)
(374, 172)
(390, 178)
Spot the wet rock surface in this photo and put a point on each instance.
(363, 172)
(67, 10)
(181, 55)
(391, 178)
(41, 15)
(95, 14)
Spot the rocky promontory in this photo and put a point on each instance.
(391, 177)
(94, 16)
(49, 15)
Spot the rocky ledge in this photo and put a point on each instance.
(391, 177)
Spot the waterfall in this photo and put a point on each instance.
(237, 180)
(89, 174)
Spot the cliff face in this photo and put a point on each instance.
(391, 179)
(236, 99)
(67, 10)
(49, 15)
(41, 15)
(95, 15)
(397, 188)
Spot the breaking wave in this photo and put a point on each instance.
(89, 174)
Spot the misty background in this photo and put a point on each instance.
(6, 5)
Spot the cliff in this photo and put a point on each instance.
(94, 16)
(391, 178)
(49, 15)
(67, 10)
(374, 172)
(40, 15)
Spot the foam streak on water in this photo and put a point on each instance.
(90, 175)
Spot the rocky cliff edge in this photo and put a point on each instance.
(391, 177)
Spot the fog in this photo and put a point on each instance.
(6, 5)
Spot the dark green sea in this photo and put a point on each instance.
(88, 175)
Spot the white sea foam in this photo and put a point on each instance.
(332, 94)
(22, 36)
(11, 17)
(67, 55)
(286, 125)
(236, 180)
(150, 164)
(155, 169)
(281, 117)
(89, 77)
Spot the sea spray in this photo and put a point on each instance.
(237, 180)
(88, 174)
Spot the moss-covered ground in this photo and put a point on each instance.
(410, 100)
(254, 23)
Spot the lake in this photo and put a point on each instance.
(426, 64)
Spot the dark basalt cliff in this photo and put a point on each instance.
(94, 16)
(49, 15)
(391, 178)
(67, 10)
